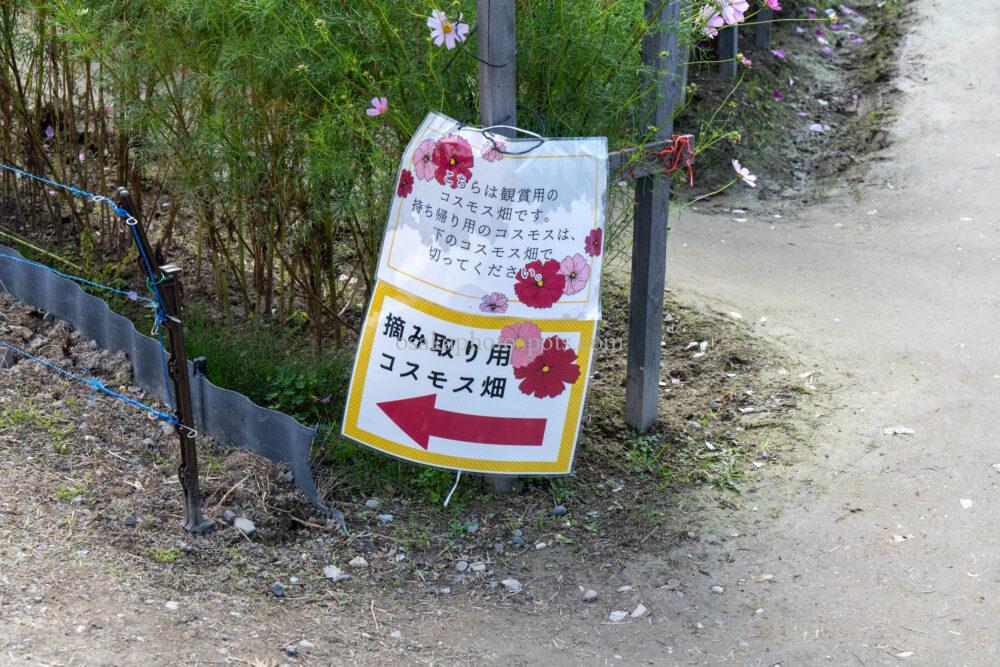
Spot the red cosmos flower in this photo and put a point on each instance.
(548, 374)
(453, 161)
(540, 285)
(405, 186)
(592, 244)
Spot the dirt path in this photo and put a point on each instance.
(875, 549)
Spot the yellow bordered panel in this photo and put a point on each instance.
(567, 421)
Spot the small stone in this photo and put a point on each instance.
(541, 545)
(639, 611)
(559, 510)
(617, 616)
(519, 541)
(148, 442)
(472, 527)
(293, 580)
(478, 566)
(292, 650)
(335, 574)
(358, 562)
(385, 518)
(446, 590)
(512, 585)
(229, 517)
(372, 503)
(624, 589)
(131, 521)
(591, 595)
(306, 644)
(245, 526)
(396, 634)
(278, 589)
(718, 589)
(462, 565)
(172, 605)
(759, 611)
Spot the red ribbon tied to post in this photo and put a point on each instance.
(678, 155)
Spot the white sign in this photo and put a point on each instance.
(477, 346)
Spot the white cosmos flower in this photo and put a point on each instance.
(745, 174)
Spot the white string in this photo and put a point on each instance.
(458, 478)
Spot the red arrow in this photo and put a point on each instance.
(419, 419)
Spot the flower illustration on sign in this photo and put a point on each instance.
(577, 273)
(423, 164)
(540, 284)
(525, 341)
(453, 161)
(495, 152)
(494, 303)
(405, 186)
(592, 244)
(549, 373)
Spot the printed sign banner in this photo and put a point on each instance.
(477, 345)
(481, 223)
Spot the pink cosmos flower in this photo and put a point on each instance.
(836, 26)
(713, 21)
(811, 12)
(577, 273)
(444, 31)
(423, 165)
(857, 39)
(82, 156)
(801, 114)
(743, 60)
(525, 340)
(777, 95)
(495, 152)
(49, 132)
(820, 33)
(778, 53)
(494, 303)
(379, 106)
(827, 51)
(773, 4)
(744, 174)
(733, 10)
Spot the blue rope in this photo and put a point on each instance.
(132, 223)
(132, 296)
(94, 383)
(120, 212)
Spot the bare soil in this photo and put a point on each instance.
(92, 504)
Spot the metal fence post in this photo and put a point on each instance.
(727, 46)
(170, 290)
(497, 94)
(762, 31)
(662, 55)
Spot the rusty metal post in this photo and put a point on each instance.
(169, 288)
